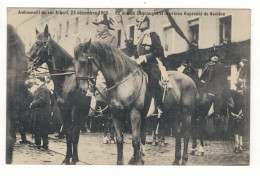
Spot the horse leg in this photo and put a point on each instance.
(177, 143)
(143, 138)
(120, 140)
(69, 150)
(135, 117)
(67, 128)
(186, 127)
(76, 132)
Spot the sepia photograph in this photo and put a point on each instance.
(128, 86)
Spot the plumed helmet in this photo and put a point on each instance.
(106, 20)
(142, 19)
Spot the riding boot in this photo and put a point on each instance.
(158, 95)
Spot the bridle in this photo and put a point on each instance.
(44, 51)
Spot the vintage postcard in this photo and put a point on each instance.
(125, 86)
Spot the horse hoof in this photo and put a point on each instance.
(112, 142)
(73, 163)
(66, 161)
(192, 152)
(105, 140)
(154, 144)
(132, 161)
(175, 163)
(184, 163)
(120, 163)
(162, 144)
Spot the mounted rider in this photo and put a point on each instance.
(103, 34)
(214, 77)
(149, 52)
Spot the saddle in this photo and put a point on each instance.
(167, 83)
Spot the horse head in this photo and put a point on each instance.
(86, 64)
(40, 52)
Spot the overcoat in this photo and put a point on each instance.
(42, 107)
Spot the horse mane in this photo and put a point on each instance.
(63, 58)
(114, 58)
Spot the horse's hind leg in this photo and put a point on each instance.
(177, 143)
(187, 113)
(119, 135)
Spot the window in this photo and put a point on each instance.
(67, 29)
(60, 32)
(225, 29)
(119, 38)
(195, 34)
(132, 32)
(76, 25)
(194, 30)
(168, 44)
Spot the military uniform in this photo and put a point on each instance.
(149, 45)
(42, 114)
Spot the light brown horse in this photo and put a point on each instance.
(127, 95)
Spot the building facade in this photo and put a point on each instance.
(203, 27)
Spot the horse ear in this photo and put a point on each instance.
(78, 41)
(46, 31)
(87, 44)
(37, 32)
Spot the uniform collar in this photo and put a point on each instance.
(147, 31)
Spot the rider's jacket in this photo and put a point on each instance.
(149, 44)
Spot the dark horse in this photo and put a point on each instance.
(16, 89)
(73, 107)
(127, 94)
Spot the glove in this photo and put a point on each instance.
(141, 59)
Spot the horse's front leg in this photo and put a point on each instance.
(67, 128)
(69, 150)
(120, 137)
(76, 132)
(135, 117)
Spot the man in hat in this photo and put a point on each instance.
(149, 51)
(42, 112)
(214, 76)
(103, 34)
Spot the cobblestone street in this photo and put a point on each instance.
(93, 152)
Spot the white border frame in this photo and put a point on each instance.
(253, 169)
